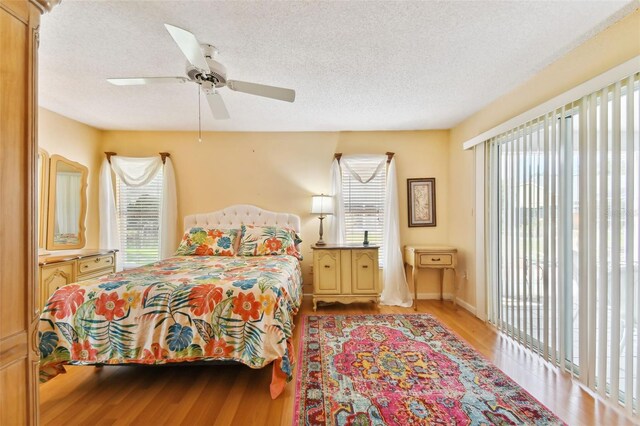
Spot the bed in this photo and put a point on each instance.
(218, 304)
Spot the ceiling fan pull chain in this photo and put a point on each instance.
(199, 118)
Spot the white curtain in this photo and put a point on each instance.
(109, 237)
(169, 211)
(395, 291)
(360, 176)
(138, 172)
(337, 230)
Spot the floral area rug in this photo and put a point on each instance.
(402, 370)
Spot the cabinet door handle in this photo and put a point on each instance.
(327, 266)
(435, 260)
(365, 266)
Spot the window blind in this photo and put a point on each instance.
(364, 203)
(138, 212)
(563, 249)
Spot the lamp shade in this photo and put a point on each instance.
(322, 204)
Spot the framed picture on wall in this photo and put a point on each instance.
(421, 198)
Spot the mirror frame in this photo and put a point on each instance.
(51, 214)
(43, 198)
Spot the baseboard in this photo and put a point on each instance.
(446, 296)
(434, 296)
(466, 306)
(430, 296)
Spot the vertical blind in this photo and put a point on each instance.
(364, 203)
(563, 246)
(138, 211)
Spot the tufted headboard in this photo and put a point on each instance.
(239, 214)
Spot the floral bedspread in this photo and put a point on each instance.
(181, 309)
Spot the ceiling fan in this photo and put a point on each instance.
(203, 69)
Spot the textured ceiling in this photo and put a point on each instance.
(354, 65)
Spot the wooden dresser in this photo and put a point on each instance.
(65, 267)
(345, 274)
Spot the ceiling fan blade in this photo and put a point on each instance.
(189, 45)
(146, 80)
(218, 109)
(272, 92)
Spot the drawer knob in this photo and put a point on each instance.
(97, 259)
(365, 266)
(327, 266)
(108, 261)
(85, 266)
(433, 259)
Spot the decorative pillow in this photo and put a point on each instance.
(268, 240)
(199, 241)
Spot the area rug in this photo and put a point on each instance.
(402, 370)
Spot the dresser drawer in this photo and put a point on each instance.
(52, 277)
(435, 259)
(94, 263)
(97, 274)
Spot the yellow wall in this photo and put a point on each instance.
(280, 171)
(613, 46)
(77, 142)
(275, 171)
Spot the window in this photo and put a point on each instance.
(138, 211)
(563, 241)
(364, 202)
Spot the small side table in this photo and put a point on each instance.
(432, 257)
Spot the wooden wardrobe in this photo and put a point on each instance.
(19, 311)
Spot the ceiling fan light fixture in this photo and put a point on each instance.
(204, 70)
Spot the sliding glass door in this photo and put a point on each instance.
(563, 196)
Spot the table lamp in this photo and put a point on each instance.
(322, 205)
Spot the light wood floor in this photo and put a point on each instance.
(237, 395)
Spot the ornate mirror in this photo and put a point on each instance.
(43, 192)
(67, 204)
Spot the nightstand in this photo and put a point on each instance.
(433, 257)
(345, 274)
